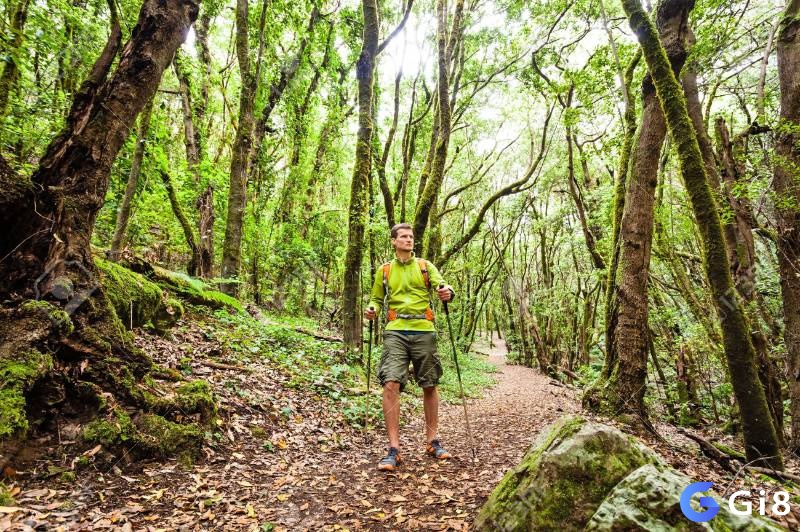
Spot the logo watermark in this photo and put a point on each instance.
(738, 503)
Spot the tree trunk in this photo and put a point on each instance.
(761, 441)
(205, 232)
(620, 184)
(787, 160)
(624, 388)
(47, 241)
(240, 154)
(365, 71)
(188, 234)
(430, 193)
(124, 212)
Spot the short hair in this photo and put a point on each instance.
(396, 228)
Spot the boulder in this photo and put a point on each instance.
(649, 499)
(581, 475)
(563, 478)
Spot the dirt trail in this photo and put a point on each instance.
(444, 495)
(310, 471)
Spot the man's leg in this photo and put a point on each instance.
(430, 402)
(391, 412)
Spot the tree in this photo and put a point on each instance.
(365, 70)
(761, 442)
(622, 389)
(787, 163)
(46, 248)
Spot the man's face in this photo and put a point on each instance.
(404, 240)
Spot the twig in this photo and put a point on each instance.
(220, 365)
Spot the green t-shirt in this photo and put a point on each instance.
(407, 293)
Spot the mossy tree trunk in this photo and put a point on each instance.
(202, 253)
(241, 150)
(761, 441)
(365, 71)
(622, 388)
(10, 75)
(787, 167)
(738, 234)
(429, 195)
(47, 241)
(620, 182)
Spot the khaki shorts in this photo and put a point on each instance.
(419, 349)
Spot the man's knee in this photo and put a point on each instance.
(391, 387)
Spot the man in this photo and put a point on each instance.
(410, 336)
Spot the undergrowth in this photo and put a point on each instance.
(330, 371)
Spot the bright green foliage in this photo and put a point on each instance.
(194, 290)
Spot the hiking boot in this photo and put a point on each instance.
(436, 450)
(390, 461)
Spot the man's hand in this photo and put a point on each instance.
(370, 314)
(445, 294)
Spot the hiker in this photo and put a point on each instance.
(404, 284)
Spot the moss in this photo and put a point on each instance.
(17, 375)
(112, 430)
(194, 290)
(258, 432)
(136, 299)
(194, 397)
(168, 314)
(729, 451)
(6, 499)
(68, 477)
(62, 323)
(159, 437)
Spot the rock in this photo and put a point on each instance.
(584, 475)
(649, 499)
(563, 478)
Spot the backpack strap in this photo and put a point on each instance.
(423, 266)
(386, 268)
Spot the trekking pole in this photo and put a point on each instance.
(369, 371)
(458, 373)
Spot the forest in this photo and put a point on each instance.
(198, 196)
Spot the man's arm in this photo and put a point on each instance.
(376, 297)
(437, 280)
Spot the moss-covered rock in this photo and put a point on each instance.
(563, 478)
(649, 499)
(194, 397)
(146, 435)
(17, 375)
(156, 436)
(112, 430)
(136, 299)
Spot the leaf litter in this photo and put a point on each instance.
(283, 459)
